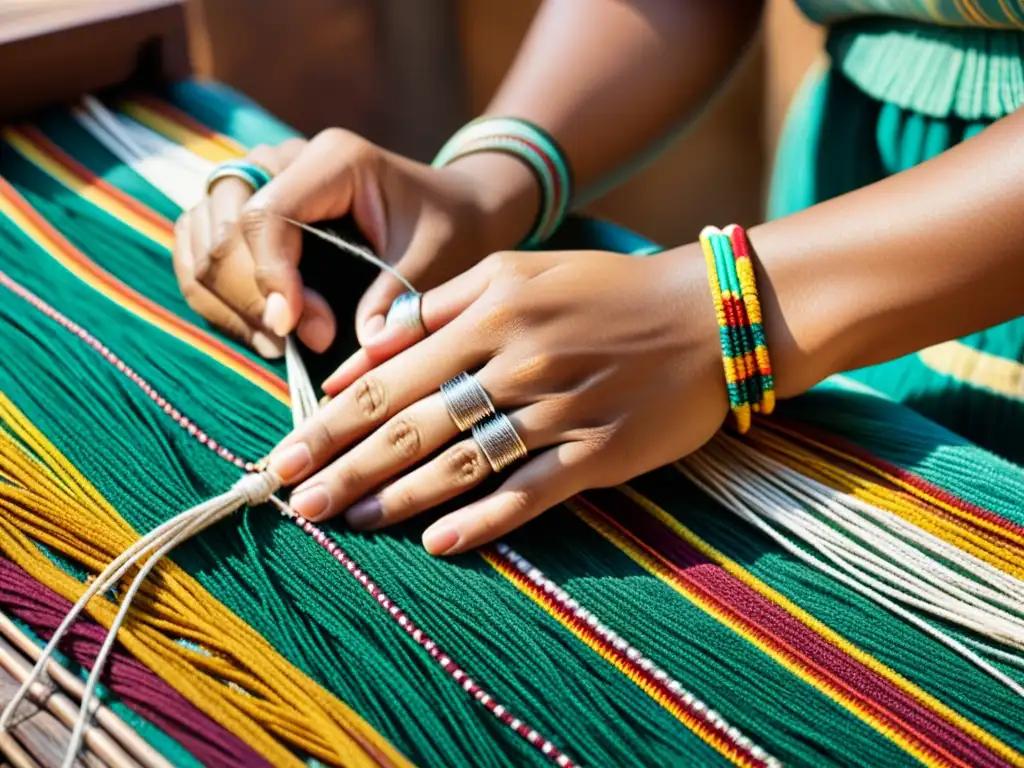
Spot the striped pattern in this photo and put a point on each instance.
(847, 467)
(988, 14)
(748, 372)
(631, 526)
(119, 204)
(913, 721)
(15, 208)
(654, 681)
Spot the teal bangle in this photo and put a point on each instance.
(256, 176)
(536, 148)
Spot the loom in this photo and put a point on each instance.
(841, 586)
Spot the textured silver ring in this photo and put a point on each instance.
(407, 310)
(467, 402)
(499, 441)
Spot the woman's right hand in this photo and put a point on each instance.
(236, 258)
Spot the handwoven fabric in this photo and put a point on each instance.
(839, 138)
(644, 625)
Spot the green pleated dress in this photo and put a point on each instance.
(904, 81)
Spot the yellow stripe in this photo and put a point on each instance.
(699, 728)
(90, 192)
(666, 576)
(995, 374)
(48, 491)
(840, 642)
(908, 507)
(54, 250)
(209, 149)
(956, 511)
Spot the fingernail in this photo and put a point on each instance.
(372, 327)
(318, 332)
(440, 539)
(276, 314)
(365, 513)
(310, 503)
(290, 462)
(267, 346)
(324, 400)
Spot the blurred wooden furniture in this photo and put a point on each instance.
(54, 50)
(388, 69)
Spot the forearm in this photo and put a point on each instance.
(610, 79)
(928, 255)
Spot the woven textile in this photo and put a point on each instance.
(644, 625)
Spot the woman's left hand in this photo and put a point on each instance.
(608, 366)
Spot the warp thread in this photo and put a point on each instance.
(132, 682)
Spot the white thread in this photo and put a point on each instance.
(731, 487)
(353, 250)
(249, 489)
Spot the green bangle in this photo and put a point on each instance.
(536, 148)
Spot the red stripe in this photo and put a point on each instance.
(63, 158)
(117, 287)
(832, 666)
(815, 435)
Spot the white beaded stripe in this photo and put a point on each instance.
(657, 675)
(313, 531)
(161, 402)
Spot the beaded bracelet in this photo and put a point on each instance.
(748, 371)
(532, 145)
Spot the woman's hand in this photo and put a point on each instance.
(237, 260)
(608, 366)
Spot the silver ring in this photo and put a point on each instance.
(407, 310)
(499, 442)
(467, 402)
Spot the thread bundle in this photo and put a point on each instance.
(693, 623)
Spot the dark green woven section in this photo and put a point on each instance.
(284, 585)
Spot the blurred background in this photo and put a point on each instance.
(406, 74)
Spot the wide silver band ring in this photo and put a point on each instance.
(407, 310)
(499, 442)
(467, 402)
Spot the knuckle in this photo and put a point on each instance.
(347, 477)
(319, 436)
(405, 438)
(260, 153)
(401, 500)
(465, 464)
(253, 221)
(223, 241)
(532, 369)
(370, 397)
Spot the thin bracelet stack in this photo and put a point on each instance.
(535, 147)
(748, 370)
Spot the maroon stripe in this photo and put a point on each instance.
(137, 687)
(872, 689)
(844, 445)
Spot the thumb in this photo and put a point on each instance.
(374, 305)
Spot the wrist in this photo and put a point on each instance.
(504, 191)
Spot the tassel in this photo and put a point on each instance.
(249, 490)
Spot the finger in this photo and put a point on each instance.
(438, 308)
(207, 304)
(544, 481)
(408, 438)
(321, 183)
(317, 327)
(460, 468)
(374, 398)
(229, 194)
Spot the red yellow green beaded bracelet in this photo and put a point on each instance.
(748, 372)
